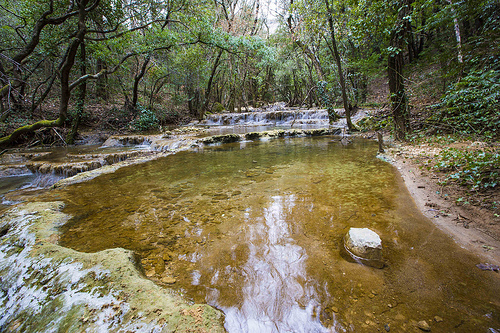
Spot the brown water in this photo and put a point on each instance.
(255, 229)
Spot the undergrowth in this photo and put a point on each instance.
(470, 106)
(146, 121)
(477, 169)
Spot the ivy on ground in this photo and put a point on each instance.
(476, 169)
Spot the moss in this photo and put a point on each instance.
(226, 138)
(253, 135)
(218, 108)
(31, 128)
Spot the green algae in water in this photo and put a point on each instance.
(256, 229)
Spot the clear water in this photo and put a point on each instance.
(255, 229)
(9, 184)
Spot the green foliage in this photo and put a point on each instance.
(477, 169)
(218, 108)
(472, 105)
(374, 124)
(146, 121)
(422, 137)
(325, 96)
(205, 42)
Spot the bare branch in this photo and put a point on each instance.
(101, 73)
(121, 33)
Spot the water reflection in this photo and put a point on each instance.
(257, 232)
(274, 298)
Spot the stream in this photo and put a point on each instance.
(255, 229)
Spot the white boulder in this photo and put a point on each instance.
(365, 245)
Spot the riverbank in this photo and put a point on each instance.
(474, 227)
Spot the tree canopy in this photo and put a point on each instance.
(149, 63)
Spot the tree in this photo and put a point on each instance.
(395, 64)
(347, 106)
(81, 10)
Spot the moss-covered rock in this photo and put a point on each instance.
(225, 138)
(48, 287)
(218, 108)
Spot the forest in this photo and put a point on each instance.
(124, 207)
(136, 66)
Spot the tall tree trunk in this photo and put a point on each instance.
(399, 101)
(80, 103)
(137, 80)
(210, 81)
(345, 101)
(256, 19)
(457, 33)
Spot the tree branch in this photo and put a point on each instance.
(121, 33)
(100, 73)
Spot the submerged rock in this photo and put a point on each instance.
(364, 245)
(424, 326)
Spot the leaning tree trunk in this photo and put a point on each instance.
(336, 54)
(65, 71)
(399, 101)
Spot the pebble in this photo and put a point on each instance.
(159, 266)
(424, 326)
(438, 319)
(168, 280)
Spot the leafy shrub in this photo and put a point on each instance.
(374, 123)
(472, 105)
(478, 169)
(326, 99)
(147, 120)
(218, 108)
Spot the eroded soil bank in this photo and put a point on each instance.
(472, 226)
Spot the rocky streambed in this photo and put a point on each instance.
(47, 287)
(254, 229)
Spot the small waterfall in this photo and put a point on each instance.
(285, 118)
(128, 140)
(45, 180)
(76, 164)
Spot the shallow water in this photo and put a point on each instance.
(255, 229)
(12, 183)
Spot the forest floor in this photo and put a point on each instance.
(471, 218)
